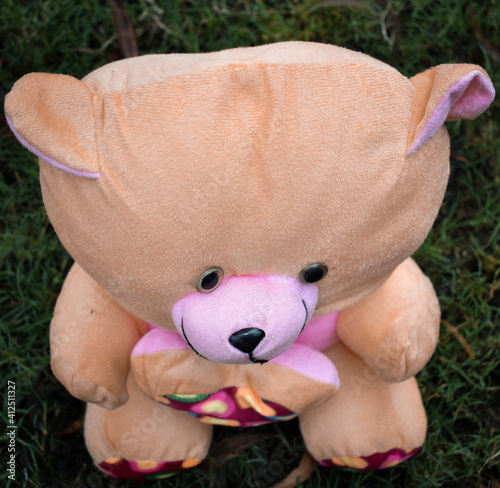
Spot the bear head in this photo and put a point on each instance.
(234, 195)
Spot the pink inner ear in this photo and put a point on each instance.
(47, 159)
(466, 99)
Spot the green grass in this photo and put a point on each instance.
(461, 255)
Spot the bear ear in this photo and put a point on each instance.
(447, 92)
(53, 117)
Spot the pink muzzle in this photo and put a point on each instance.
(247, 319)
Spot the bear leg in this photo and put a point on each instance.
(143, 439)
(368, 424)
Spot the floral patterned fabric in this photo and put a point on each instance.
(378, 460)
(234, 407)
(144, 470)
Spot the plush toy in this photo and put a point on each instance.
(242, 224)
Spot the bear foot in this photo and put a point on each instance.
(378, 460)
(142, 440)
(144, 470)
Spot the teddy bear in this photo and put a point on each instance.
(242, 224)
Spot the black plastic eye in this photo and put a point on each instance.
(312, 273)
(209, 280)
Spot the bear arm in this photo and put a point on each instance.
(91, 338)
(395, 330)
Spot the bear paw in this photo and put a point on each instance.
(144, 470)
(378, 460)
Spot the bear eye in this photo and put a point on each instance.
(209, 280)
(312, 273)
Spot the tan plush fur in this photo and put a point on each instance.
(260, 161)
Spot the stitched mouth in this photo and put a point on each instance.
(250, 355)
(262, 361)
(257, 361)
(307, 316)
(187, 340)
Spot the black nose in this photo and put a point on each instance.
(246, 340)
